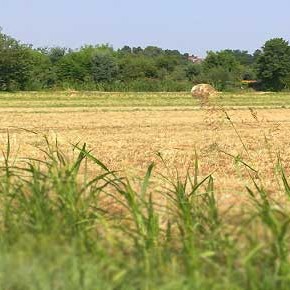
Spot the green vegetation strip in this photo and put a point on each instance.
(79, 99)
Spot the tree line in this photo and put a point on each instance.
(100, 67)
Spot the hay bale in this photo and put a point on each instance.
(203, 91)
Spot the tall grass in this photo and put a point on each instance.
(61, 228)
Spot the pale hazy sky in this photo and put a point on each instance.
(189, 26)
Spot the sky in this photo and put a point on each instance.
(189, 26)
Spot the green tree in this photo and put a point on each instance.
(41, 73)
(56, 53)
(152, 51)
(242, 56)
(223, 59)
(75, 66)
(136, 67)
(125, 50)
(179, 73)
(104, 67)
(222, 69)
(167, 62)
(193, 70)
(137, 50)
(273, 64)
(15, 63)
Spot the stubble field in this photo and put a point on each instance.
(127, 131)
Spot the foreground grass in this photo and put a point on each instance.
(99, 100)
(63, 229)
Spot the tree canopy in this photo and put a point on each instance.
(100, 67)
(273, 64)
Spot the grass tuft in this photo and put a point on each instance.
(62, 228)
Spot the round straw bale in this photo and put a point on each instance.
(203, 91)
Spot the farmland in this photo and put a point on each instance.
(126, 130)
(75, 217)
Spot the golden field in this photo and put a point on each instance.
(126, 131)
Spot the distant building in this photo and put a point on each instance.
(195, 59)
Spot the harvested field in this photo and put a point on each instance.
(127, 130)
(103, 217)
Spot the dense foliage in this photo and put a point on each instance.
(273, 64)
(100, 67)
